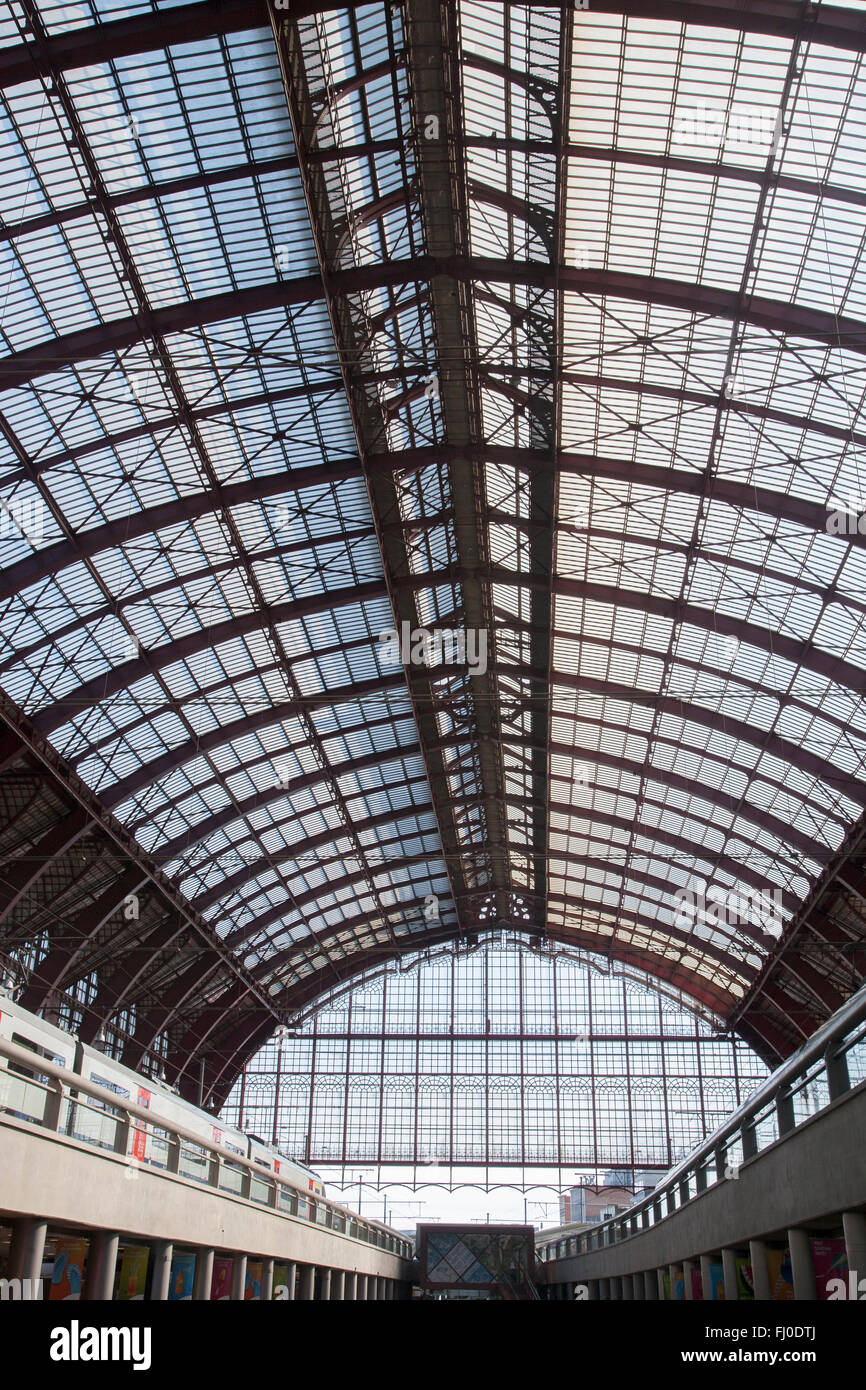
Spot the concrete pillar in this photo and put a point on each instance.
(729, 1272)
(350, 1288)
(706, 1279)
(338, 1285)
(688, 1266)
(307, 1283)
(291, 1272)
(854, 1228)
(760, 1273)
(239, 1278)
(161, 1253)
(805, 1288)
(362, 1286)
(650, 1286)
(626, 1288)
(638, 1287)
(203, 1276)
(267, 1280)
(324, 1285)
(101, 1264)
(27, 1250)
(660, 1284)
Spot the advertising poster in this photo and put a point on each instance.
(697, 1285)
(830, 1261)
(139, 1130)
(221, 1283)
(253, 1286)
(678, 1290)
(781, 1276)
(133, 1272)
(181, 1278)
(717, 1282)
(666, 1279)
(67, 1278)
(281, 1279)
(745, 1278)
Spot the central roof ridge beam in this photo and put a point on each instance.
(330, 213)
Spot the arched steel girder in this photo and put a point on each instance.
(84, 46)
(783, 750)
(799, 653)
(250, 874)
(762, 942)
(311, 897)
(178, 586)
(730, 565)
(150, 520)
(792, 649)
(735, 729)
(257, 169)
(151, 1024)
(813, 850)
(203, 830)
(691, 850)
(150, 773)
(233, 411)
(717, 1000)
(237, 812)
(209, 1018)
(58, 965)
(749, 498)
(234, 1051)
(112, 681)
(134, 965)
(21, 874)
(205, 691)
(721, 677)
(307, 844)
(298, 950)
(774, 316)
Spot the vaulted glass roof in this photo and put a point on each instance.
(534, 327)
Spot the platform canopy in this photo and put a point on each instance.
(535, 329)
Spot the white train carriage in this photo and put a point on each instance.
(21, 1093)
(99, 1122)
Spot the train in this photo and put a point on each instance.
(94, 1121)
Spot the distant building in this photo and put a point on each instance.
(619, 1190)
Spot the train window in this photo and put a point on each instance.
(109, 1086)
(45, 1052)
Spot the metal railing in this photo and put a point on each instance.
(151, 1143)
(828, 1066)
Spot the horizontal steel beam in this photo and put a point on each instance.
(86, 46)
(775, 316)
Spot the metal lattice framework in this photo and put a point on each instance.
(448, 315)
